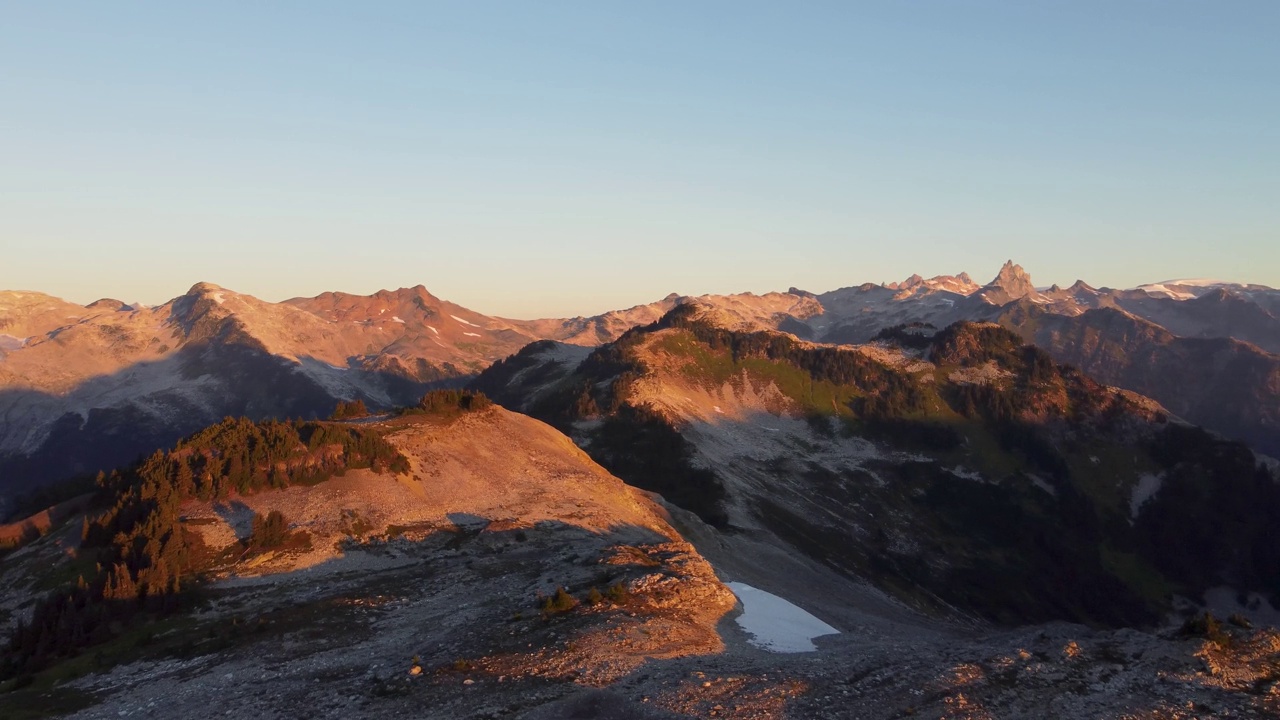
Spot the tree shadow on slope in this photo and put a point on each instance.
(237, 516)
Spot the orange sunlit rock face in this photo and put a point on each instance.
(669, 609)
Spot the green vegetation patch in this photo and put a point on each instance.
(448, 404)
(1138, 575)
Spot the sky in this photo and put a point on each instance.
(554, 159)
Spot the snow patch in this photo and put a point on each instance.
(1161, 289)
(1196, 282)
(1225, 601)
(464, 322)
(964, 473)
(471, 334)
(1043, 484)
(1148, 485)
(775, 624)
(433, 330)
(218, 297)
(341, 384)
(396, 318)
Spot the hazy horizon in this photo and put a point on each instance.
(568, 159)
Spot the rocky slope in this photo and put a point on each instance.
(1230, 386)
(445, 572)
(961, 472)
(431, 592)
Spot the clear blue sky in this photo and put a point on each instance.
(544, 159)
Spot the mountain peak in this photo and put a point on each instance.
(960, 284)
(108, 304)
(1217, 295)
(208, 290)
(1011, 272)
(1011, 283)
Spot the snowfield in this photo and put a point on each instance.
(775, 624)
(1161, 289)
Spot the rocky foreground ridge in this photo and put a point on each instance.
(502, 573)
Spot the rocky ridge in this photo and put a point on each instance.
(432, 598)
(882, 461)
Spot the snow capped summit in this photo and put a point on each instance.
(1197, 282)
(1169, 290)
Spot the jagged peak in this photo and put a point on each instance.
(914, 281)
(1011, 283)
(1011, 272)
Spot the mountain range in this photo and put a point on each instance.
(945, 466)
(72, 377)
(930, 497)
